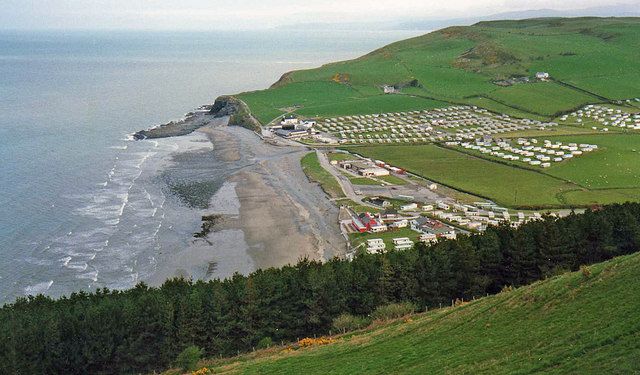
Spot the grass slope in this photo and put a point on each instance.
(579, 323)
(316, 173)
(591, 59)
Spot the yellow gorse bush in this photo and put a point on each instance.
(202, 371)
(308, 341)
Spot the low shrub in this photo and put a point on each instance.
(393, 311)
(189, 357)
(347, 322)
(265, 342)
(586, 272)
(310, 341)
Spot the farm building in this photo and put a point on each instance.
(289, 120)
(364, 169)
(358, 225)
(292, 134)
(542, 76)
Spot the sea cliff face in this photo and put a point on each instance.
(237, 110)
(223, 106)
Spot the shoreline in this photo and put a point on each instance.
(267, 213)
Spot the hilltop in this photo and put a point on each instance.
(582, 322)
(590, 60)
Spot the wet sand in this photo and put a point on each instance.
(270, 214)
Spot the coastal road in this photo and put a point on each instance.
(344, 182)
(410, 189)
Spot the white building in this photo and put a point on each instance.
(543, 76)
(402, 243)
(428, 238)
(375, 245)
(427, 207)
(409, 207)
(442, 206)
(399, 224)
(377, 228)
(373, 172)
(289, 120)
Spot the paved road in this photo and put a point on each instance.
(410, 189)
(342, 179)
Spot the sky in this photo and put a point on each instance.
(249, 14)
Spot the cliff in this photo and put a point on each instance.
(236, 109)
(238, 112)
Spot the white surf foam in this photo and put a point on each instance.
(38, 288)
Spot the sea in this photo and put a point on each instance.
(82, 205)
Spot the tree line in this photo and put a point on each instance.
(144, 328)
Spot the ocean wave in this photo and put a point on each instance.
(80, 266)
(38, 288)
(65, 261)
(93, 276)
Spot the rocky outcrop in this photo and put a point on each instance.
(231, 106)
(191, 122)
(238, 111)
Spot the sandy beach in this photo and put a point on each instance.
(267, 212)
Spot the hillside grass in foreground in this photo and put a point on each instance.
(585, 322)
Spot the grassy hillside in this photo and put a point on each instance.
(590, 60)
(584, 322)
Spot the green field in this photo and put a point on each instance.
(610, 174)
(362, 181)
(578, 323)
(542, 98)
(590, 60)
(312, 168)
(394, 180)
(506, 185)
(616, 163)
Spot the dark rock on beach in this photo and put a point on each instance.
(223, 106)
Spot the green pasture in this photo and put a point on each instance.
(502, 183)
(616, 163)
